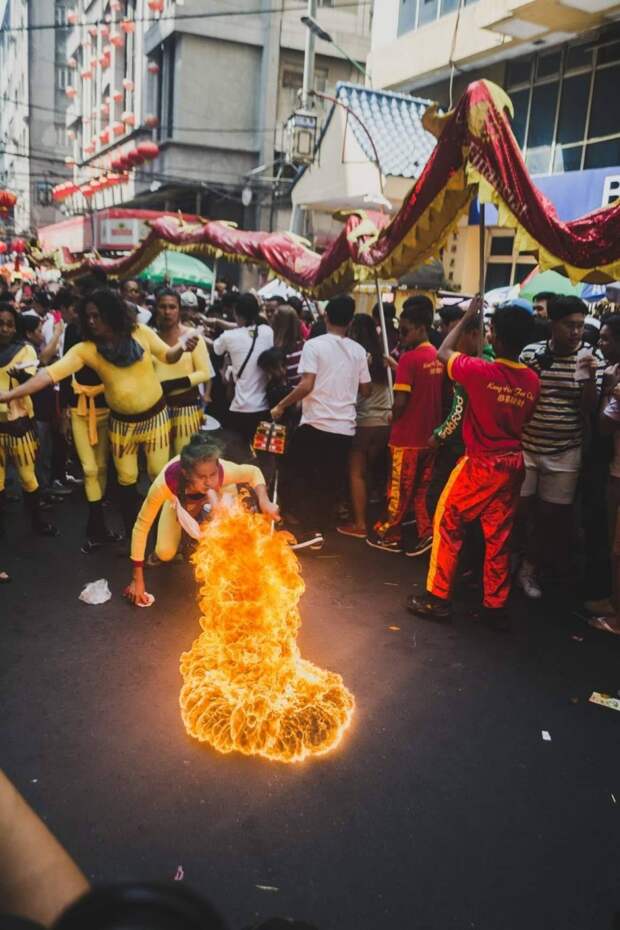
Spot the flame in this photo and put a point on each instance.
(246, 686)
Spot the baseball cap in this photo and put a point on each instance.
(519, 302)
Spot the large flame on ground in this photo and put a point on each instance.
(246, 686)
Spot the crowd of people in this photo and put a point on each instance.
(490, 440)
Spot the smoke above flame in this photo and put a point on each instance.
(246, 687)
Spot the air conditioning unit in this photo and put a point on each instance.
(301, 137)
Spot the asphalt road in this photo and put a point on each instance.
(443, 808)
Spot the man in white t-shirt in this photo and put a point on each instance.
(244, 345)
(334, 370)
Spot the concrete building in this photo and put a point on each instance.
(33, 140)
(560, 64)
(212, 84)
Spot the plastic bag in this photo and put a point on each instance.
(96, 592)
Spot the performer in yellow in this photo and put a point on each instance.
(121, 352)
(18, 430)
(180, 381)
(192, 479)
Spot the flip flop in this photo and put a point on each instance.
(602, 624)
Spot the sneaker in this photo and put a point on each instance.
(350, 529)
(420, 547)
(57, 489)
(526, 579)
(388, 545)
(308, 541)
(71, 479)
(429, 607)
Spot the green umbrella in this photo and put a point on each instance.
(549, 281)
(178, 268)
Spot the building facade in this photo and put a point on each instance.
(559, 64)
(212, 84)
(33, 140)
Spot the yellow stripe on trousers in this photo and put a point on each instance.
(439, 512)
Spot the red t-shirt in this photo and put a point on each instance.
(422, 375)
(501, 398)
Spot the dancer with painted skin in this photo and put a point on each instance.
(18, 431)
(180, 381)
(121, 352)
(191, 480)
(83, 401)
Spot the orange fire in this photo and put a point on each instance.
(246, 686)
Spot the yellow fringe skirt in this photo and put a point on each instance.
(19, 441)
(186, 417)
(149, 430)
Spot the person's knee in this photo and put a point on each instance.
(165, 552)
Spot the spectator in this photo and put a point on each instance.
(297, 304)
(333, 369)
(244, 345)
(287, 336)
(541, 304)
(131, 291)
(609, 421)
(391, 325)
(449, 317)
(417, 411)
(271, 305)
(372, 424)
(189, 306)
(552, 443)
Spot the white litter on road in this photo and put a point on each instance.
(546, 735)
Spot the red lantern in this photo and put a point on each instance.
(7, 201)
(129, 118)
(152, 67)
(156, 6)
(86, 74)
(128, 26)
(117, 163)
(71, 62)
(87, 190)
(117, 95)
(70, 92)
(148, 150)
(151, 121)
(117, 39)
(72, 17)
(118, 129)
(104, 136)
(105, 31)
(134, 158)
(18, 246)
(123, 162)
(127, 84)
(3, 248)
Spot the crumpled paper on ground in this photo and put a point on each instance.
(96, 592)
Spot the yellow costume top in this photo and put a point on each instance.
(132, 389)
(194, 365)
(166, 486)
(22, 407)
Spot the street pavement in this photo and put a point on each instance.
(443, 807)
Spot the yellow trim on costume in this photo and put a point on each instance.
(451, 362)
(402, 387)
(439, 512)
(86, 394)
(509, 363)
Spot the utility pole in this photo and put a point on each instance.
(309, 54)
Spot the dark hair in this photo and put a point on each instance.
(286, 328)
(93, 281)
(247, 309)
(364, 331)
(544, 295)
(561, 306)
(340, 310)
(64, 297)
(389, 313)
(167, 292)
(514, 328)
(27, 323)
(277, 298)
(229, 299)
(612, 322)
(418, 310)
(200, 448)
(41, 297)
(115, 312)
(271, 358)
(127, 281)
(9, 308)
(296, 303)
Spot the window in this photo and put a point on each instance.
(501, 245)
(62, 77)
(505, 266)
(567, 106)
(60, 16)
(415, 13)
(407, 15)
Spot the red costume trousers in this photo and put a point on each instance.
(485, 487)
(408, 484)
